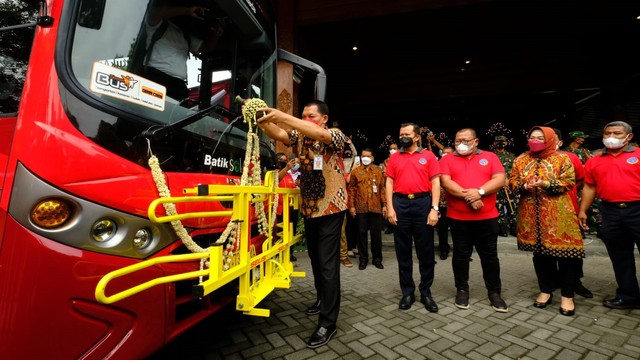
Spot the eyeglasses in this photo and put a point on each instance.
(539, 138)
(463, 141)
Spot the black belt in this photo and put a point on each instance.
(623, 204)
(413, 196)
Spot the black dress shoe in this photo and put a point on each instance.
(321, 336)
(567, 312)
(542, 305)
(444, 255)
(582, 291)
(429, 304)
(313, 309)
(362, 266)
(406, 301)
(617, 303)
(378, 264)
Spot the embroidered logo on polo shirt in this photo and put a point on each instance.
(483, 162)
(632, 160)
(422, 161)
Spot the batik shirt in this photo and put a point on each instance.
(366, 189)
(323, 192)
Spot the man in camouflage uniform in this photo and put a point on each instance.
(575, 146)
(506, 203)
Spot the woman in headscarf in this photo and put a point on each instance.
(547, 222)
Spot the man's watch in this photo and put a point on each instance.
(481, 191)
(435, 207)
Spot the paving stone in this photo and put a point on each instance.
(370, 325)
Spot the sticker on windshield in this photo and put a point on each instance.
(117, 83)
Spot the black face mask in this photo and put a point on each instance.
(282, 164)
(406, 142)
(501, 145)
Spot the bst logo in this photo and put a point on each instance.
(122, 83)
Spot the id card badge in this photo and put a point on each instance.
(375, 188)
(317, 162)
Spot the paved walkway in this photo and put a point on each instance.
(371, 326)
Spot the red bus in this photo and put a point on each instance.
(79, 121)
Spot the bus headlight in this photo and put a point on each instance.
(51, 213)
(142, 238)
(103, 230)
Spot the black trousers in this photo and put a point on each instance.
(323, 243)
(483, 235)
(412, 228)
(369, 223)
(550, 270)
(620, 231)
(443, 231)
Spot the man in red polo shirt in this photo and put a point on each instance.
(614, 175)
(579, 288)
(413, 193)
(472, 177)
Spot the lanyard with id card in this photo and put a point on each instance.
(317, 162)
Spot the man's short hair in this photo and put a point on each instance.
(558, 133)
(627, 128)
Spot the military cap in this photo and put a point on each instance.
(578, 134)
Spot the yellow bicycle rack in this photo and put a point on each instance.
(258, 274)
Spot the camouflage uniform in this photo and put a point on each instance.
(583, 154)
(507, 219)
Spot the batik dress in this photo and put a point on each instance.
(547, 223)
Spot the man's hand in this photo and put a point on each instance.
(476, 205)
(197, 12)
(391, 216)
(582, 217)
(471, 195)
(291, 164)
(433, 217)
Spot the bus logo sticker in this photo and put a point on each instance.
(123, 85)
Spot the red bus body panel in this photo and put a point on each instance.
(47, 307)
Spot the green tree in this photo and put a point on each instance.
(15, 47)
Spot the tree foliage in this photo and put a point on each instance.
(15, 48)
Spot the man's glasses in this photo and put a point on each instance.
(463, 141)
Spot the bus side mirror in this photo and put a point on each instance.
(91, 14)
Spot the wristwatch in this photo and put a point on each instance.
(481, 191)
(435, 207)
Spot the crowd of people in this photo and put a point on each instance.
(543, 197)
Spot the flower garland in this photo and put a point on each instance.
(250, 176)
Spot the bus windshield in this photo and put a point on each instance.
(158, 66)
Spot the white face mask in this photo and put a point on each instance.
(295, 167)
(365, 160)
(614, 143)
(463, 149)
(392, 151)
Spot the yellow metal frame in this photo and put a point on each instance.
(258, 274)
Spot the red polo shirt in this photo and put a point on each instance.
(579, 170)
(617, 178)
(471, 173)
(412, 173)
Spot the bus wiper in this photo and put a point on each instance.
(160, 131)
